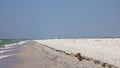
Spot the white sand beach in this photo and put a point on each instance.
(35, 55)
(104, 49)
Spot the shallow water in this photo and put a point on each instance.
(8, 55)
(7, 62)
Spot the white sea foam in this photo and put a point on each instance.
(22, 42)
(9, 45)
(3, 51)
(14, 44)
(5, 56)
(5, 48)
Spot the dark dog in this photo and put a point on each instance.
(79, 57)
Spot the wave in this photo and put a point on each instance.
(22, 42)
(19, 43)
(3, 51)
(5, 48)
(5, 56)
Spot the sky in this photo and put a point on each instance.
(41, 19)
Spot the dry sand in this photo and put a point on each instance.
(35, 55)
(104, 49)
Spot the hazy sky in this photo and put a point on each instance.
(68, 18)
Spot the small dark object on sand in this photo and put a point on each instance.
(79, 56)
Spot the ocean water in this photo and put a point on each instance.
(3, 51)
(5, 56)
(8, 54)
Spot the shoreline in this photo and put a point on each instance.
(8, 55)
(35, 55)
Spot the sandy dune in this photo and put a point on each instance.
(35, 55)
(107, 50)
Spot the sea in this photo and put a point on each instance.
(8, 55)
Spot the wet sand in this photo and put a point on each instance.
(7, 62)
(35, 55)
